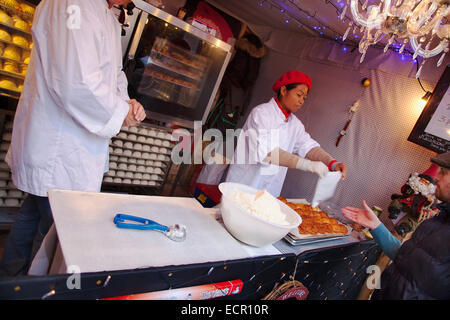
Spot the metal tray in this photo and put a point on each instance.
(298, 242)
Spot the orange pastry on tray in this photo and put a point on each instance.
(314, 220)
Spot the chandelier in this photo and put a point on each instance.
(422, 23)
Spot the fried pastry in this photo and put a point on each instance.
(314, 220)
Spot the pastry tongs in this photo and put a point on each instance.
(176, 232)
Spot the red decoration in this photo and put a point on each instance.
(209, 16)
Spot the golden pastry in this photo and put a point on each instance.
(10, 3)
(314, 220)
(27, 9)
(11, 66)
(12, 52)
(7, 83)
(5, 18)
(4, 35)
(20, 40)
(19, 23)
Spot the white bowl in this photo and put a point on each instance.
(249, 228)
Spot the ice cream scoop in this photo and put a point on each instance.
(176, 232)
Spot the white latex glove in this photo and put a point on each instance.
(316, 167)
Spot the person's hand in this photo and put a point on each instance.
(342, 168)
(316, 167)
(138, 110)
(319, 168)
(365, 217)
(136, 114)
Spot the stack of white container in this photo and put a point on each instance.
(139, 156)
(10, 196)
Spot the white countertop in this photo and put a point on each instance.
(91, 241)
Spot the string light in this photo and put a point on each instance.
(293, 12)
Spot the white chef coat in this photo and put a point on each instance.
(265, 129)
(74, 99)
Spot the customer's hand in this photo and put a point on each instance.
(365, 217)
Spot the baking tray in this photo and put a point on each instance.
(291, 239)
(297, 238)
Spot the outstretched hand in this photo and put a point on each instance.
(365, 217)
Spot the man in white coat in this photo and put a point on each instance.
(74, 100)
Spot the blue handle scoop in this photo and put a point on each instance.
(176, 232)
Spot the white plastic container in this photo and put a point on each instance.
(249, 228)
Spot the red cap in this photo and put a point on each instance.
(432, 170)
(292, 76)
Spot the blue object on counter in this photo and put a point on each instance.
(142, 223)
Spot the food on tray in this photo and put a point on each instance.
(12, 52)
(11, 66)
(262, 205)
(20, 40)
(169, 78)
(27, 9)
(10, 3)
(20, 24)
(5, 18)
(4, 35)
(314, 220)
(7, 83)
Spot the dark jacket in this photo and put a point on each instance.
(421, 268)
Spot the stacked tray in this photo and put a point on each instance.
(294, 237)
(10, 196)
(15, 45)
(139, 156)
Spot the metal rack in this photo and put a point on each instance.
(139, 160)
(17, 78)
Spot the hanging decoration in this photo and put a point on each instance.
(419, 22)
(353, 109)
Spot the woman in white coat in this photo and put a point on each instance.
(273, 139)
(74, 100)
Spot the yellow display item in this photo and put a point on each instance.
(12, 52)
(27, 9)
(20, 24)
(10, 4)
(20, 87)
(4, 35)
(26, 60)
(7, 83)
(31, 45)
(11, 66)
(5, 18)
(20, 40)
